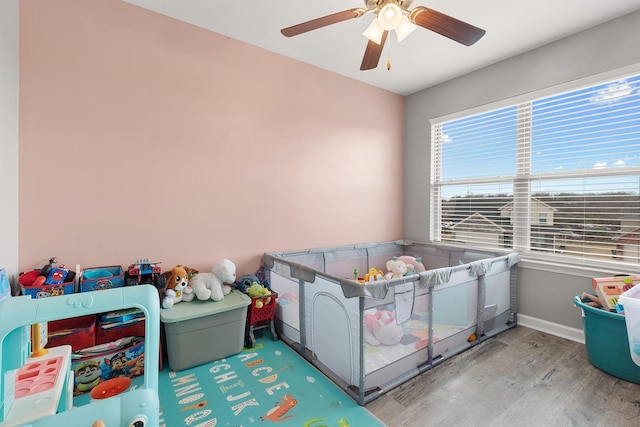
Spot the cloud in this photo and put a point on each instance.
(600, 165)
(603, 165)
(613, 92)
(446, 139)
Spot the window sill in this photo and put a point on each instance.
(586, 268)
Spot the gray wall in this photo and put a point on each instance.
(9, 136)
(542, 294)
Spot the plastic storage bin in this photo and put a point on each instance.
(100, 278)
(607, 343)
(630, 300)
(199, 332)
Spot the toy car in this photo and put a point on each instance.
(144, 272)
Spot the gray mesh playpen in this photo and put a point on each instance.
(321, 311)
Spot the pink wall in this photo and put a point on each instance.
(142, 136)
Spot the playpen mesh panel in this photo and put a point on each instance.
(436, 319)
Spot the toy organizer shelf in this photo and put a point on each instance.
(37, 390)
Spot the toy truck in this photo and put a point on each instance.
(144, 272)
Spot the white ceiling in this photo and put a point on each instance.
(423, 59)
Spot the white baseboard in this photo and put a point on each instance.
(556, 329)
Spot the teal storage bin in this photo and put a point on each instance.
(100, 278)
(607, 342)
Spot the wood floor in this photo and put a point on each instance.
(521, 377)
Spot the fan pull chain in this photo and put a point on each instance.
(388, 53)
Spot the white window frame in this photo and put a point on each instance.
(522, 199)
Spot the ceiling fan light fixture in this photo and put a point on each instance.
(405, 28)
(374, 32)
(390, 16)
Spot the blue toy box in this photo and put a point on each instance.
(43, 291)
(100, 278)
(48, 281)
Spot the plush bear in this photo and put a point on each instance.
(214, 285)
(414, 265)
(381, 328)
(177, 287)
(395, 269)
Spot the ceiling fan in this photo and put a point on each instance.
(393, 15)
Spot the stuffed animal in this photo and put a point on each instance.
(177, 287)
(373, 275)
(214, 285)
(258, 290)
(395, 269)
(414, 265)
(381, 328)
(246, 281)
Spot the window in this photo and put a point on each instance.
(542, 218)
(559, 174)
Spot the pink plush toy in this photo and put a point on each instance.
(414, 265)
(381, 328)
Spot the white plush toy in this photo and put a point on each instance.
(214, 285)
(395, 269)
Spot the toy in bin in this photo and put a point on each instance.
(261, 311)
(48, 281)
(144, 271)
(609, 289)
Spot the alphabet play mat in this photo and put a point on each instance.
(264, 385)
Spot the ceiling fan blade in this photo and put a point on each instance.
(314, 24)
(372, 53)
(446, 25)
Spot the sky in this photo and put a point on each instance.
(592, 131)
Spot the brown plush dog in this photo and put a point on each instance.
(177, 287)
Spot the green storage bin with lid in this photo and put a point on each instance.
(607, 342)
(199, 332)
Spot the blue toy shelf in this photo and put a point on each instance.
(137, 407)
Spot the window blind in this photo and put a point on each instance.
(558, 175)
